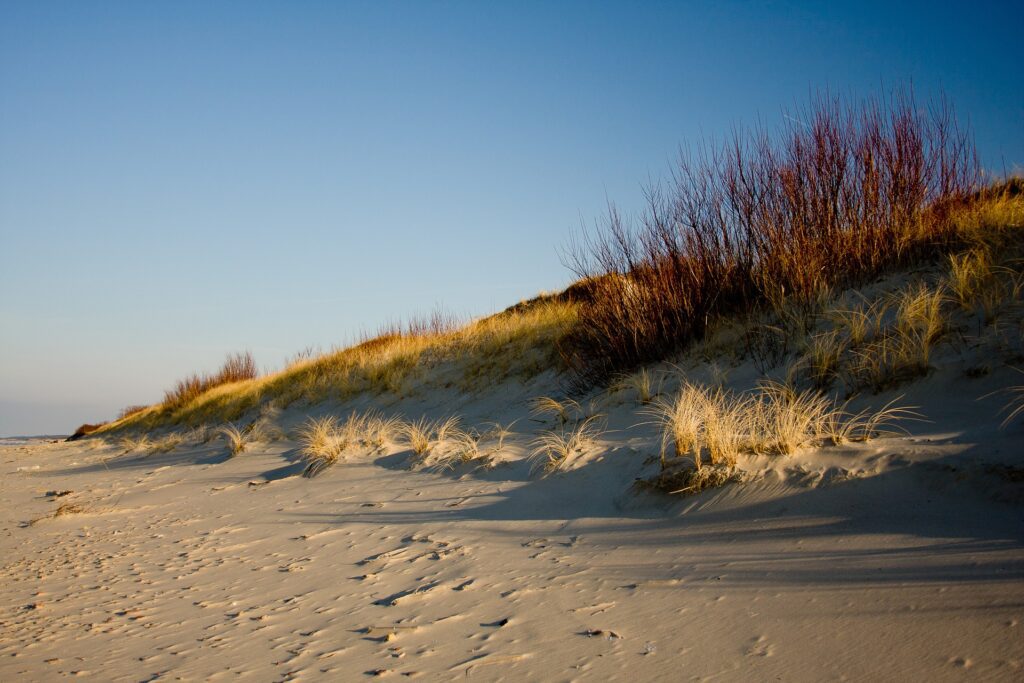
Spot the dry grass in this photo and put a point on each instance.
(903, 350)
(322, 442)
(788, 419)
(553, 450)
(167, 443)
(564, 410)
(860, 323)
(705, 430)
(640, 384)
(975, 281)
(130, 410)
(135, 442)
(822, 357)
(199, 435)
(418, 436)
(919, 314)
(454, 447)
(458, 447)
(519, 343)
(379, 431)
(682, 421)
(1014, 406)
(442, 443)
(713, 426)
(499, 432)
(237, 440)
(238, 367)
(701, 420)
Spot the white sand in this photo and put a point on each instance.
(899, 559)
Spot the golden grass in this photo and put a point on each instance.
(903, 350)
(553, 450)
(167, 443)
(564, 410)
(682, 420)
(703, 424)
(519, 343)
(440, 443)
(322, 441)
(705, 430)
(995, 219)
(458, 447)
(860, 323)
(641, 384)
(822, 357)
(379, 431)
(135, 442)
(418, 435)
(499, 432)
(236, 439)
(788, 419)
(975, 281)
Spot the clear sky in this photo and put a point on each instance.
(183, 179)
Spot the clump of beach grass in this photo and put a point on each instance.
(563, 410)
(167, 443)
(417, 436)
(237, 440)
(640, 384)
(903, 350)
(379, 431)
(554, 450)
(322, 442)
(1015, 406)
(706, 427)
(135, 442)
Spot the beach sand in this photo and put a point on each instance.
(899, 558)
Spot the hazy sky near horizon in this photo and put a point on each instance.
(179, 180)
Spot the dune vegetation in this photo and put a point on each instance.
(836, 256)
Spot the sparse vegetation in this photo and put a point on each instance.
(564, 410)
(236, 439)
(554, 449)
(131, 442)
(418, 436)
(1015, 406)
(711, 428)
(166, 444)
(641, 384)
(322, 443)
(521, 343)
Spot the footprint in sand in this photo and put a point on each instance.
(760, 647)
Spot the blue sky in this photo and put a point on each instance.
(179, 180)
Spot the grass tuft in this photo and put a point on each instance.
(322, 443)
(553, 450)
(236, 439)
(564, 410)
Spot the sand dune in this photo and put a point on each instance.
(902, 557)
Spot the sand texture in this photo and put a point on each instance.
(896, 559)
